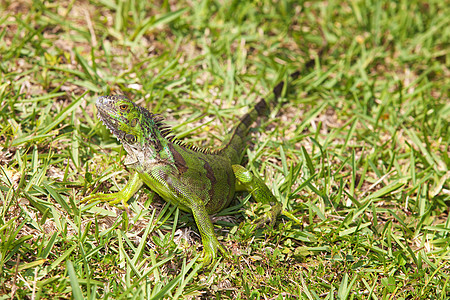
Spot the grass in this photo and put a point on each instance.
(358, 152)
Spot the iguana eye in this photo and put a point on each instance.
(131, 139)
(123, 107)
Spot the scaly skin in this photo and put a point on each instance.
(196, 180)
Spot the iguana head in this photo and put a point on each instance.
(139, 131)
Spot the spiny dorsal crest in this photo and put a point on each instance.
(167, 133)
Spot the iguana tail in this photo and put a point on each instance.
(234, 147)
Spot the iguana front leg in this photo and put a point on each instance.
(165, 181)
(209, 240)
(246, 181)
(132, 186)
(177, 193)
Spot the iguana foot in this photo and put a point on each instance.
(113, 199)
(123, 196)
(210, 252)
(268, 216)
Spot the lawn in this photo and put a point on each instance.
(357, 149)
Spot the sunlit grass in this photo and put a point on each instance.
(358, 151)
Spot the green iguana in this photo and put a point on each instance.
(197, 180)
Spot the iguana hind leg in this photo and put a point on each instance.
(247, 181)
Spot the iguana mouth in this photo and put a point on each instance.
(107, 113)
